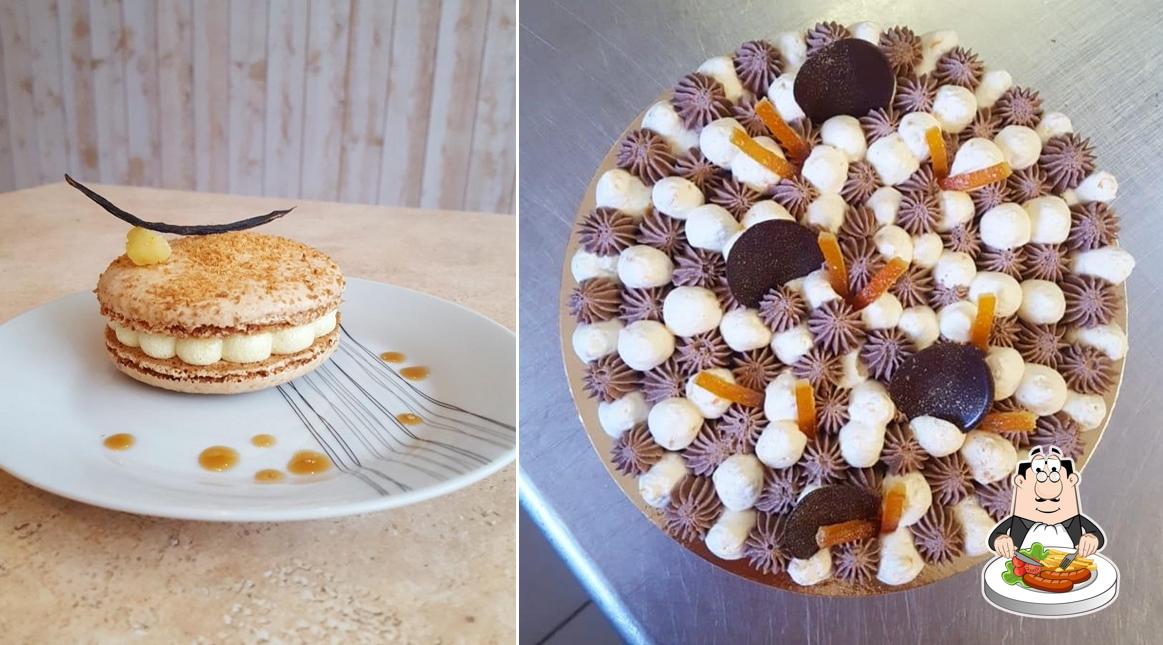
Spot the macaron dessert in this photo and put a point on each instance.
(831, 287)
(219, 310)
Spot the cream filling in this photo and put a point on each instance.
(239, 348)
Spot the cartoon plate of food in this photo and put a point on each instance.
(1050, 583)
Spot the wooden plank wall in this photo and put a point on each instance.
(399, 102)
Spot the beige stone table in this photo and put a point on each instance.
(440, 571)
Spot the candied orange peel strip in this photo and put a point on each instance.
(806, 407)
(937, 153)
(983, 322)
(727, 390)
(783, 133)
(834, 259)
(850, 531)
(1016, 421)
(880, 283)
(891, 509)
(761, 155)
(978, 178)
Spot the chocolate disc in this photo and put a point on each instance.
(850, 76)
(821, 507)
(768, 255)
(949, 381)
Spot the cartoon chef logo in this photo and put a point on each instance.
(1046, 509)
(1048, 562)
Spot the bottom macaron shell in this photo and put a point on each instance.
(221, 377)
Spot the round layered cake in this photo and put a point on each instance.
(826, 293)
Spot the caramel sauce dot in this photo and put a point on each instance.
(218, 458)
(414, 373)
(269, 475)
(263, 440)
(392, 357)
(308, 462)
(409, 419)
(119, 441)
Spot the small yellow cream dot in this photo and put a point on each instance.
(145, 247)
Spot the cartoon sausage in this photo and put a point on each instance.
(1077, 576)
(1053, 585)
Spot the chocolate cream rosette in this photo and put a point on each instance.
(829, 290)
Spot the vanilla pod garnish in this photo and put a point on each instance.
(176, 229)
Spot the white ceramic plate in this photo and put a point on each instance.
(1097, 592)
(62, 397)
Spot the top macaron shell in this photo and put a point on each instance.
(215, 285)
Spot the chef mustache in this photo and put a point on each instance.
(1044, 499)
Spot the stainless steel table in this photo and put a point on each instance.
(589, 66)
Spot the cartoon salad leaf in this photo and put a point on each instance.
(1009, 576)
(1037, 551)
